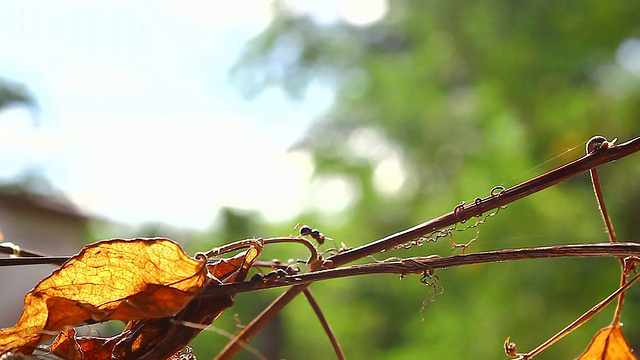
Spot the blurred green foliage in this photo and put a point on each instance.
(465, 96)
(12, 93)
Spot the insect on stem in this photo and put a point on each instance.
(596, 143)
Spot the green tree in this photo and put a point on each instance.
(463, 96)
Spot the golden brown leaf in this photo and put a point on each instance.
(608, 344)
(113, 279)
(68, 346)
(161, 338)
(235, 268)
(510, 347)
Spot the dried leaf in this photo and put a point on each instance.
(161, 338)
(608, 344)
(235, 268)
(164, 337)
(113, 279)
(68, 346)
(510, 347)
(184, 354)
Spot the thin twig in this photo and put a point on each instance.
(53, 260)
(325, 325)
(595, 143)
(417, 265)
(12, 249)
(30, 257)
(461, 213)
(241, 244)
(226, 334)
(595, 180)
(236, 245)
(578, 322)
(594, 159)
(259, 322)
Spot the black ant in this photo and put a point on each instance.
(276, 274)
(305, 230)
(258, 279)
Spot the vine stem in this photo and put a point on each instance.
(599, 156)
(418, 265)
(578, 322)
(593, 159)
(259, 322)
(597, 188)
(337, 349)
(593, 144)
(330, 267)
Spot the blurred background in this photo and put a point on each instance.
(209, 122)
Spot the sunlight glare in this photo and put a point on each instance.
(101, 79)
(389, 175)
(628, 55)
(185, 168)
(363, 13)
(332, 194)
(257, 13)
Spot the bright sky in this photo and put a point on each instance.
(137, 119)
